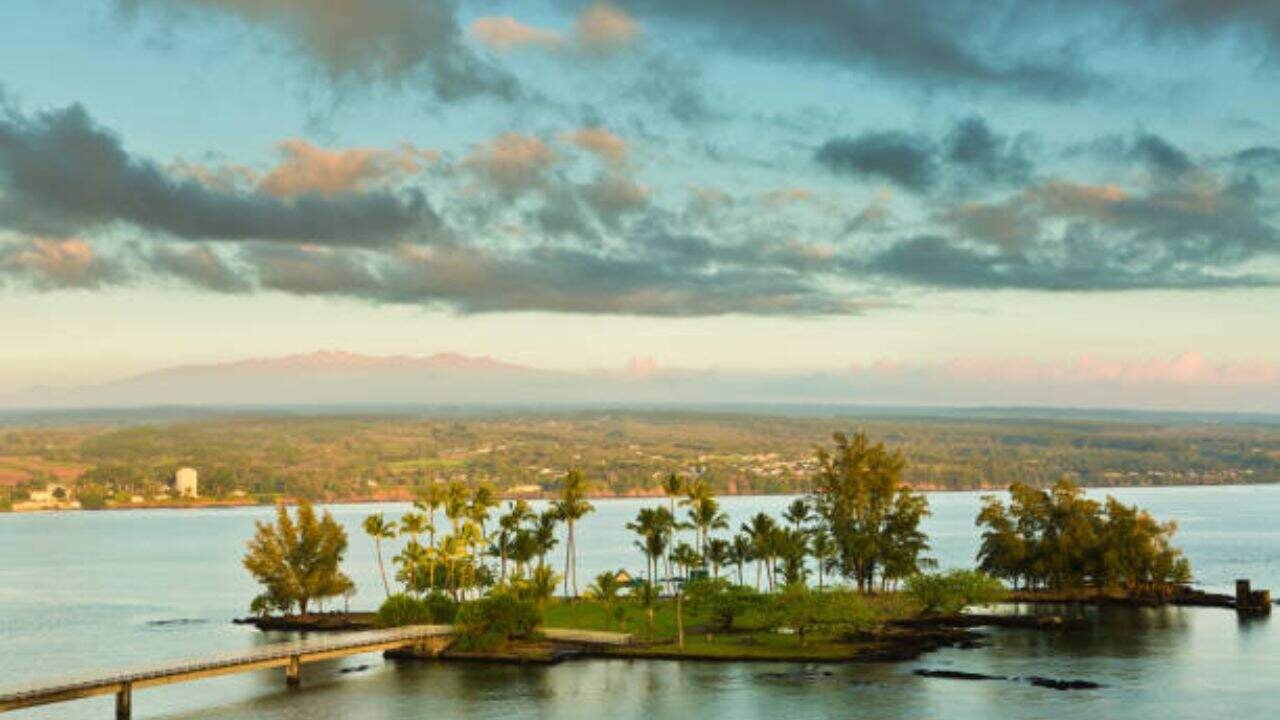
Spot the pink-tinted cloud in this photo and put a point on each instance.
(787, 196)
(1189, 368)
(505, 34)
(512, 163)
(604, 27)
(600, 29)
(307, 169)
(603, 144)
(57, 263)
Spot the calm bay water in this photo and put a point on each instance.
(86, 591)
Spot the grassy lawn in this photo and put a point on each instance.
(754, 635)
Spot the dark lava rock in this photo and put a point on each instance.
(1062, 684)
(356, 669)
(957, 675)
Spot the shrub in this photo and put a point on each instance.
(722, 602)
(950, 592)
(401, 609)
(496, 619)
(444, 609)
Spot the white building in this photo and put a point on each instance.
(184, 483)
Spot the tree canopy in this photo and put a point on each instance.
(297, 561)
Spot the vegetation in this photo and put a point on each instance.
(950, 592)
(496, 620)
(297, 561)
(1059, 538)
(264, 459)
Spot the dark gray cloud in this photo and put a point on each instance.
(1160, 155)
(1061, 236)
(60, 173)
(358, 41)
(199, 266)
(969, 154)
(937, 43)
(908, 160)
(1259, 157)
(974, 146)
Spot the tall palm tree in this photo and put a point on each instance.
(705, 516)
(429, 500)
(413, 524)
(649, 526)
(760, 530)
(508, 526)
(456, 500)
(673, 487)
(412, 557)
(571, 507)
(377, 527)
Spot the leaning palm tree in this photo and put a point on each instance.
(571, 507)
(377, 527)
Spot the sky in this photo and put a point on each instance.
(1079, 193)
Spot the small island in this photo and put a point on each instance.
(842, 576)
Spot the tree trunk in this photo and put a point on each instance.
(680, 619)
(382, 569)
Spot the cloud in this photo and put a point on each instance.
(311, 270)
(608, 147)
(395, 42)
(505, 34)
(307, 169)
(604, 28)
(613, 196)
(60, 174)
(1066, 236)
(511, 163)
(939, 44)
(907, 160)
(1189, 368)
(786, 196)
(57, 263)
(970, 155)
(199, 266)
(601, 29)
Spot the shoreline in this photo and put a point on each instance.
(293, 501)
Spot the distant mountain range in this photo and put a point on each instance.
(334, 378)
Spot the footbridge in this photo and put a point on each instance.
(431, 639)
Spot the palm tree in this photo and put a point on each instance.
(797, 513)
(605, 590)
(740, 553)
(760, 531)
(686, 557)
(508, 526)
(822, 548)
(411, 558)
(544, 535)
(651, 524)
(413, 524)
(455, 503)
(705, 516)
(673, 487)
(570, 508)
(717, 554)
(377, 527)
(482, 500)
(428, 501)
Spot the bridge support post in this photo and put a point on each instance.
(124, 701)
(293, 672)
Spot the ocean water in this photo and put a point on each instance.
(86, 591)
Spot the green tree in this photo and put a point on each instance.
(717, 555)
(298, 561)
(872, 515)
